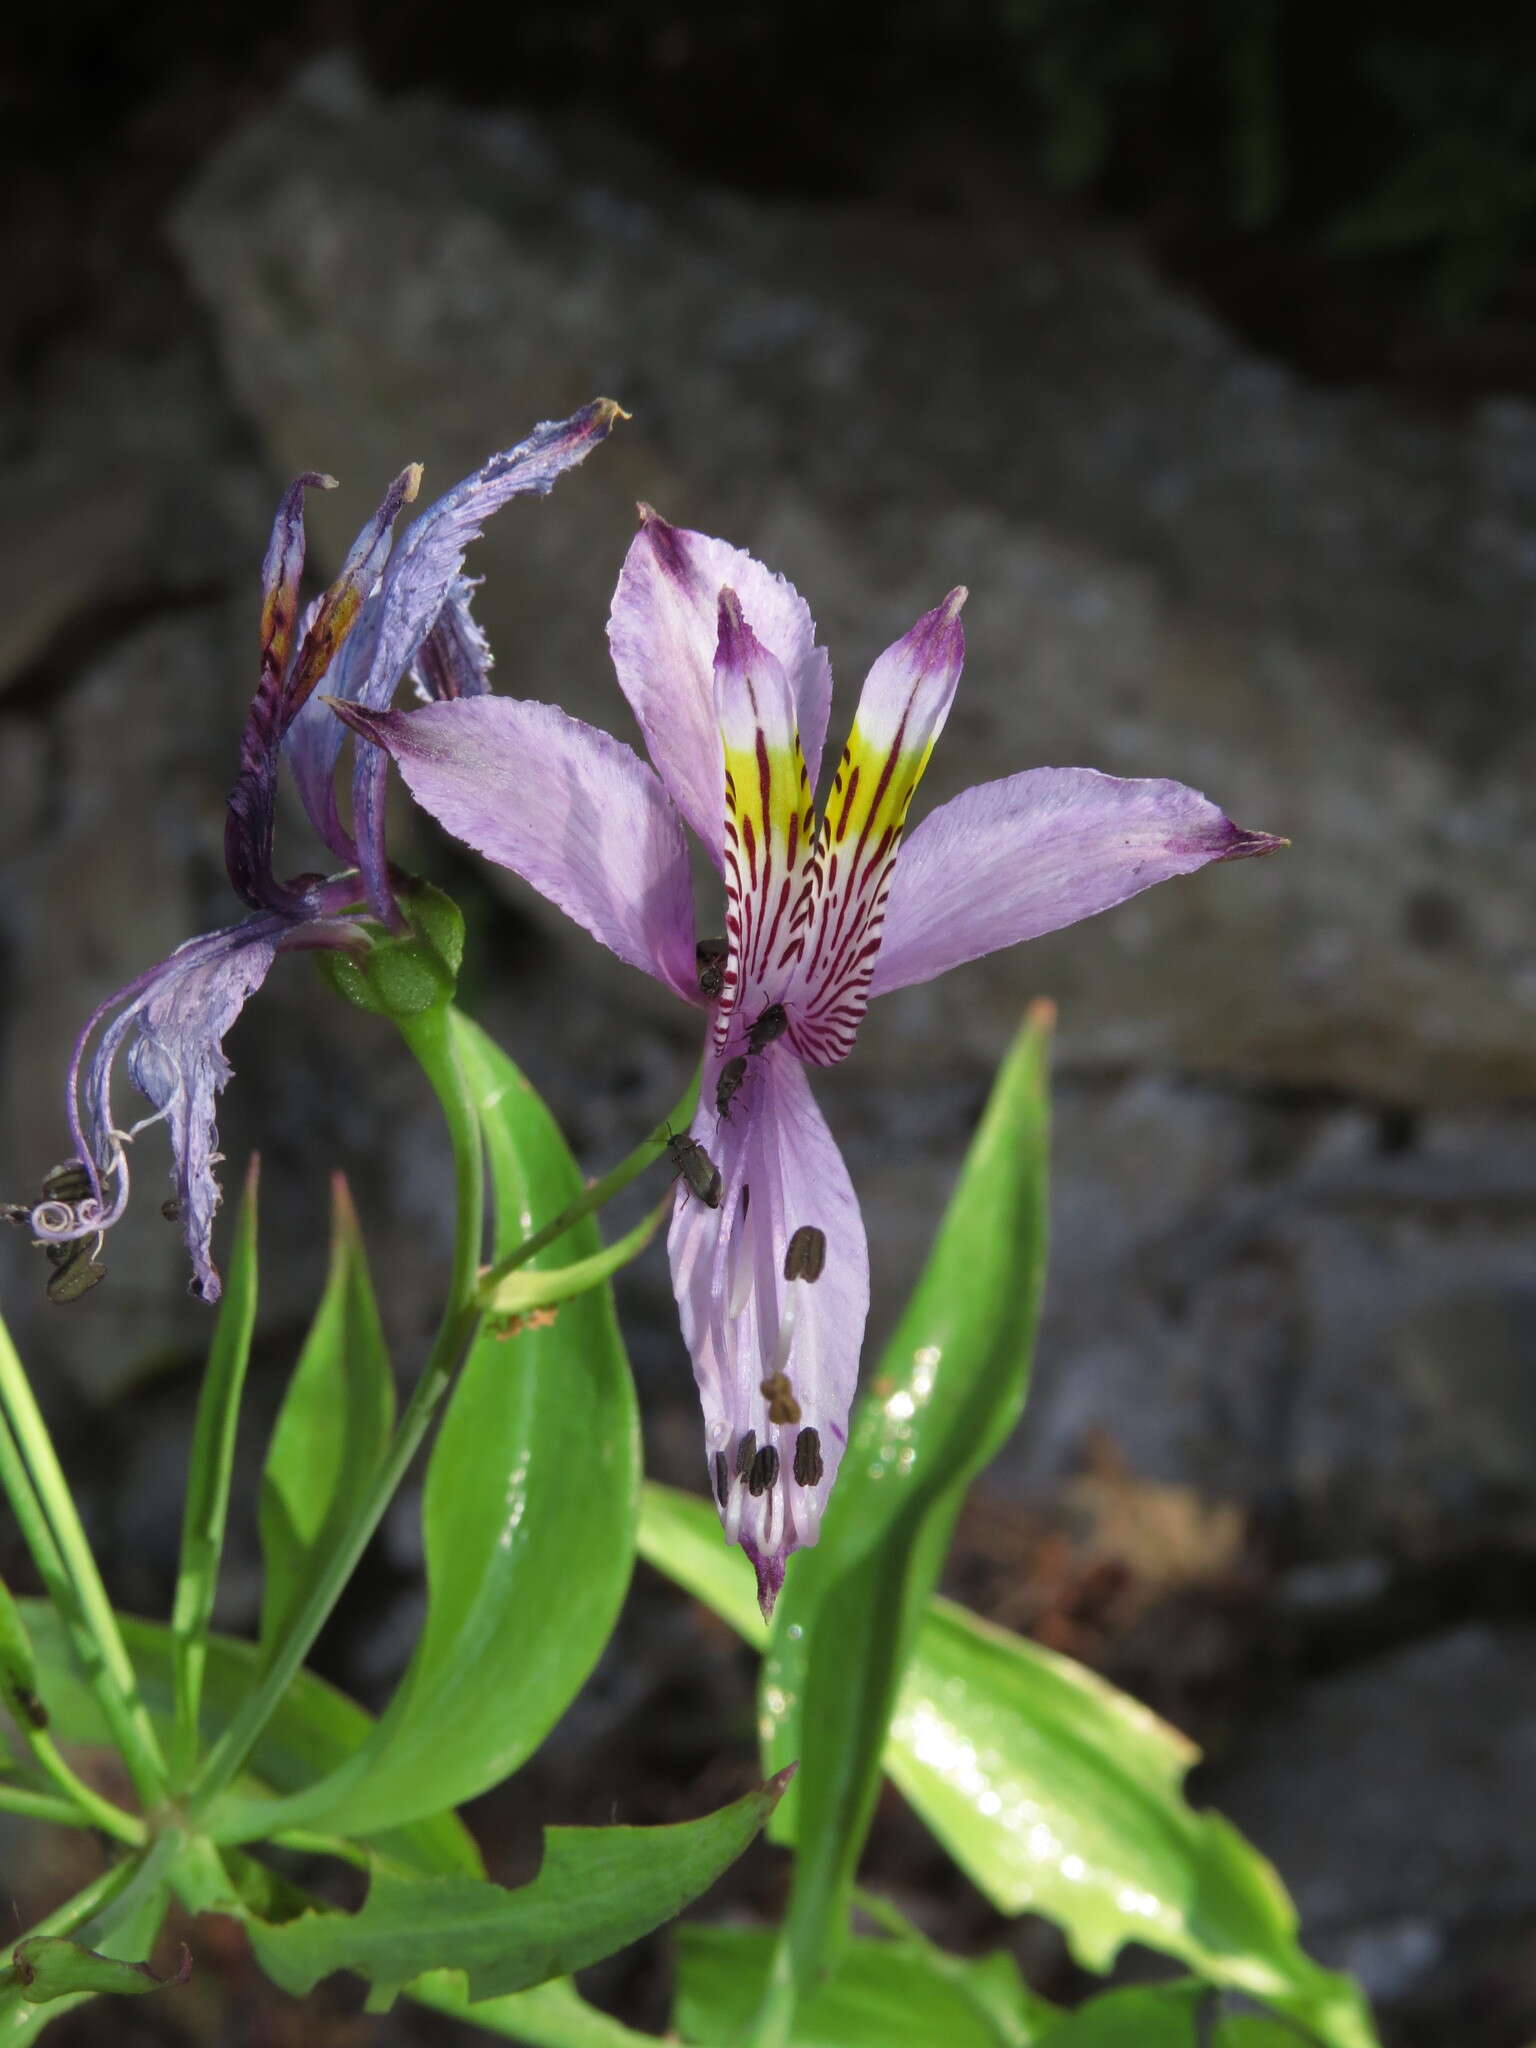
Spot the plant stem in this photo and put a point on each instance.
(645, 1154)
(429, 1037)
(63, 1813)
(46, 1512)
(91, 1809)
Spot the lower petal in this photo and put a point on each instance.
(776, 1358)
(1011, 860)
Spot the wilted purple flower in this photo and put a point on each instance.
(391, 609)
(719, 661)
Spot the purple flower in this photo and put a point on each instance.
(719, 661)
(391, 609)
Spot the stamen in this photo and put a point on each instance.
(806, 1253)
(740, 1264)
(746, 1451)
(808, 1462)
(722, 1477)
(777, 1391)
(764, 1472)
(781, 1350)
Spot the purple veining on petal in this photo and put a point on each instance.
(572, 810)
(1011, 860)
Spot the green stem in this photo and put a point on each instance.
(429, 1037)
(645, 1154)
(45, 1510)
(305, 1842)
(42, 1806)
(93, 1898)
(519, 1293)
(91, 1809)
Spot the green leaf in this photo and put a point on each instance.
(1166, 2016)
(315, 1728)
(47, 1967)
(124, 1931)
(332, 1428)
(882, 1994)
(946, 1395)
(598, 1890)
(1055, 1793)
(552, 2015)
(528, 1514)
(208, 1477)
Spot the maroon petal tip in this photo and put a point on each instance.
(1251, 845)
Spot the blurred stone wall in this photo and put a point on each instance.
(1292, 1314)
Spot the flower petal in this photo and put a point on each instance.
(663, 630)
(170, 1023)
(776, 1359)
(572, 810)
(1011, 860)
(902, 710)
(419, 578)
(455, 658)
(768, 819)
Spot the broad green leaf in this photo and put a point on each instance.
(598, 1890)
(313, 1730)
(881, 1994)
(552, 2015)
(208, 1476)
(1166, 2016)
(332, 1428)
(528, 1513)
(1055, 1793)
(48, 1967)
(946, 1395)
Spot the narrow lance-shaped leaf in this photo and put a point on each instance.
(331, 1429)
(552, 2015)
(208, 1477)
(528, 1513)
(598, 1890)
(1055, 1793)
(1167, 2016)
(945, 1396)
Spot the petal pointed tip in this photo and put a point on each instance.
(951, 607)
(604, 411)
(770, 1580)
(1248, 845)
(368, 724)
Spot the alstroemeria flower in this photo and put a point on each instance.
(392, 608)
(719, 661)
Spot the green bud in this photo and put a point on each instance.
(402, 977)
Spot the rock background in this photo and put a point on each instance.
(1279, 1470)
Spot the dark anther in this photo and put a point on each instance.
(732, 1074)
(746, 1200)
(771, 1025)
(170, 1209)
(711, 955)
(780, 1396)
(697, 1168)
(722, 1477)
(75, 1272)
(765, 1470)
(808, 1465)
(746, 1451)
(805, 1254)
